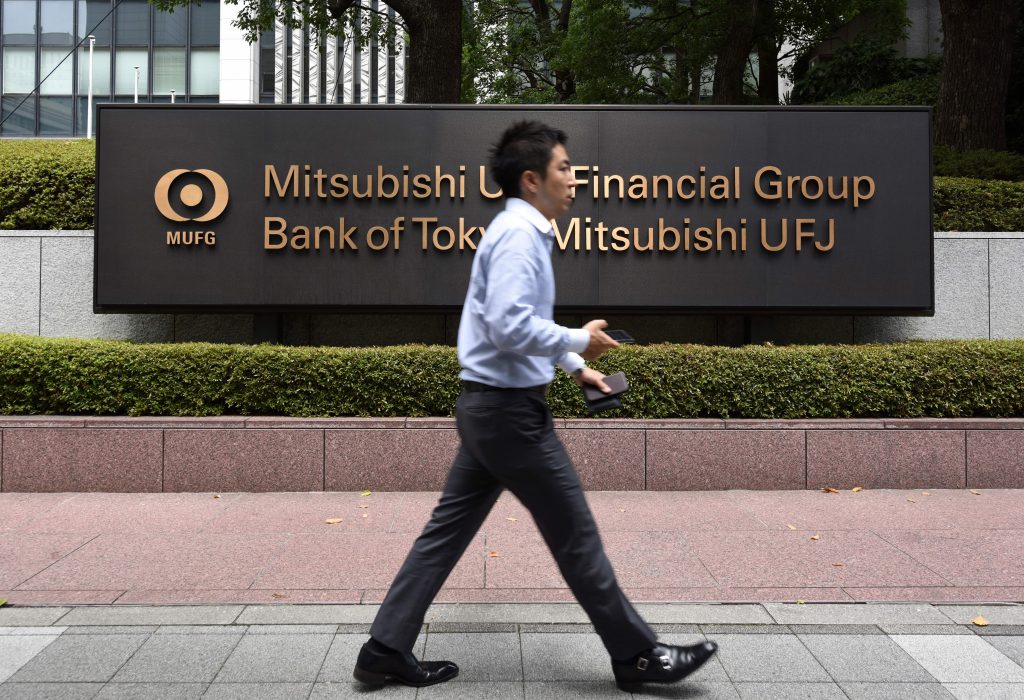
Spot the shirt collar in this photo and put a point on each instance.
(530, 213)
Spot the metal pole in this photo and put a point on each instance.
(88, 118)
(172, 96)
(136, 84)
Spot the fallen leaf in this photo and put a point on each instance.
(838, 563)
(365, 493)
(3, 602)
(366, 515)
(980, 621)
(622, 510)
(333, 521)
(364, 505)
(912, 500)
(815, 538)
(857, 489)
(791, 527)
(216, 496)
(493, 555)
(925, 493)
(801, 602)
(278, 595)
(829, 489)
(511, 520)
(976, 493)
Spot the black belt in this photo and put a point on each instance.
(474, 387)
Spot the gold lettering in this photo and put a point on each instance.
(637, 187)
(859, 194)
(483, 185)
(279, 233)
(782, 240)
(318, 233)
(291, 180)
(774, 190)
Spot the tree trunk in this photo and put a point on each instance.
(734, 50)
(767, 53)
(978, 48)
(435, 49)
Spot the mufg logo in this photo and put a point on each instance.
(190, 199)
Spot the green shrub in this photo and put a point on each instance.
(936, 379)
(922, 90)
(47, 184)
(962, 204)
(982, 164)
(864, 65)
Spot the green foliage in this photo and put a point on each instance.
(857, 67)
(982, 164)
(963, 204)
(922, 90)
(47, 184)
(918, 379)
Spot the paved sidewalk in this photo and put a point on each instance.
(519, 651)
(733, 546)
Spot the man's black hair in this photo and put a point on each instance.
(525, 145)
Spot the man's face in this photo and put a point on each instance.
(558, 188)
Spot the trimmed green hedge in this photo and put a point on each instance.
(47, 184)
(962, 204)
(51, 185)
(918, 379)
(981, 164)
(921, 90)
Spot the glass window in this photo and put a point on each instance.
(206, 24)
(55, 116)
(267, 70)
(23, 123)
(83, 112)
(205, 71)
(125, 61)
(59, 82)
(100, 71)
(93, 18)
(169, 27)
(19, 70)
(133, 22)
(57, 20)
(19, 21)
(169, 71)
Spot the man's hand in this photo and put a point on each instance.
(600, 343)
(592, 376)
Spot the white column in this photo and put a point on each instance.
(364, 67)
(297, 51)
(239, 61)
(314, 69)
(382, 66)
(331, 70)
(347, 68)
(280, 62)
(400, 67)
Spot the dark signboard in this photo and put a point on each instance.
(277, 208)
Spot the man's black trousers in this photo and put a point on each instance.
(508, 441)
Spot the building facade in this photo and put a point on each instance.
(191, 55)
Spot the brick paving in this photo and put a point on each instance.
(714, 546)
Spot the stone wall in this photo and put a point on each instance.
(238, 453)
(47, 287)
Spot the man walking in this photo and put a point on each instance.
(508, 347)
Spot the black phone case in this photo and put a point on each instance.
(618, 384)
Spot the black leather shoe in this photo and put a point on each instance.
(374, 668)
(662, 664)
